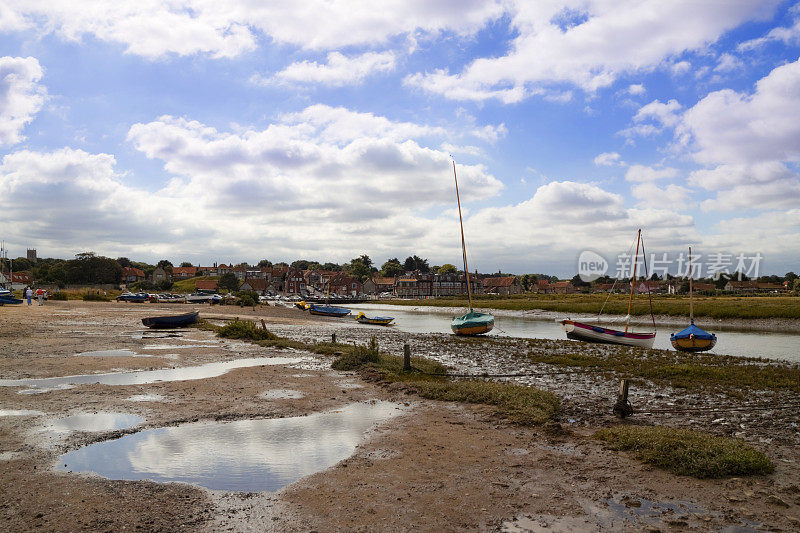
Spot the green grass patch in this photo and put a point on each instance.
(526, 406)
(590, 304)
(187, 286)
(686, 452)
(245, 329)
(679, 369)
(95, 297)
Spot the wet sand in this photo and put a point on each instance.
(439, 467)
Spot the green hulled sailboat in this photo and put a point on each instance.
(473, 322)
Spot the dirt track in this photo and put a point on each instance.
(439, 467)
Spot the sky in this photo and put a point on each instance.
(240, 130)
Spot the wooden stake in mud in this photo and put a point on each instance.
(333, 338)
(263, 324)
(623, 407)
(406, 357)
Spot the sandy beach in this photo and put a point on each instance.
(436, 466)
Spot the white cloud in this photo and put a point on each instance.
(666, 115)
(490, 133)
(643, 174)
(154, 28)
(679, 68)
(672, 196)
(608, 159)
(729, 127)
(728, 63)
(787, 35)
(588, 44)
(340, 70)
(21, 96)
(636, 89)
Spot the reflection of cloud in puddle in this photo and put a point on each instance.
(348, 385)
(95, 422)
(148, 397)
(208, 370)
(112, 353)
(19, 412)
(281, 394)
(245, 455)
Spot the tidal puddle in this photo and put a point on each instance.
(95, 422)
(245, 455)
(112, 353)
(281, 394)
(208, 370)
(19, 412)
(175, 346)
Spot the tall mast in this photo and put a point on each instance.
(691, 304)
(633, 279)
(463, 244)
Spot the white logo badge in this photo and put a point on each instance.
(591, 266)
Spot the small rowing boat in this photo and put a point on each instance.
(376, 320)
(327, 310)
(174, 321)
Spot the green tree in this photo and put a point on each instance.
(265, 263)
(796, 287)
(302, 264)
(186, 264)
(360, 267)
(447, 268)
(229, 281)
(124, 262)
(166, 264)
(416, 263)
(332, 267)
(392, 268)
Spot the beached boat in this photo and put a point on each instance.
(692, 339)
(7, 297)
(201, 298)
(303, 306)
(174, 321)
(375, 320)
(473, 322)
(327, 310)
(138, 297)
(587, 332)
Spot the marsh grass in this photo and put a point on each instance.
(591, 304)
(682, 370)
(686, 452)
(519, 404)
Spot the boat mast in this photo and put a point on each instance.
(633, 280)
(463, 244)
(691, 306)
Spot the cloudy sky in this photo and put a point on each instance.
(236, 130)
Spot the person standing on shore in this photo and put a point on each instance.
(40, 296)
(28, 294)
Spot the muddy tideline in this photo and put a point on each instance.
(436, 466)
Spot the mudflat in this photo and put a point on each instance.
(437, 466)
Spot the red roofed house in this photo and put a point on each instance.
(504, 285)
(208, 285)
(295, 284)
(563, 287)
(132, 275)
(260, 285)
(543, 286)
(184, 272)
(19, 280)
(345, 285)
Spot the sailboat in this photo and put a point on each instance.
(582, 331)
(473, 322)
(327, 309)
(692, 339)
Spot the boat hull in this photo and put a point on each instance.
(175, 321)
(693, 345)
(376, 321)
(473, 323)
(9, 300)
(327, 310)
(580, 331)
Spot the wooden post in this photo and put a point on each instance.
(263, 324)
(623, 407)
(333, 338)
(406, 357)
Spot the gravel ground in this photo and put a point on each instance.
(439, 466)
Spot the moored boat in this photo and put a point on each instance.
(692, 339)
(7, 297)
(375, 320)
(586, 332)
(174, 321)
(138, 297)
(473, 322)
(327, 310)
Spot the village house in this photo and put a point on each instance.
(378, 285)
(295, 284)
(208, 270)
(651, 287)
(563, 287)
(543, 286)
(132, 275)
(259, 285)
(159, 274)
(503, 286)
(184, 272)
(19, 280)
(752, 286)
(449, 285)
(345, 285)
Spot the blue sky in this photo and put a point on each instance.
(233, 131)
